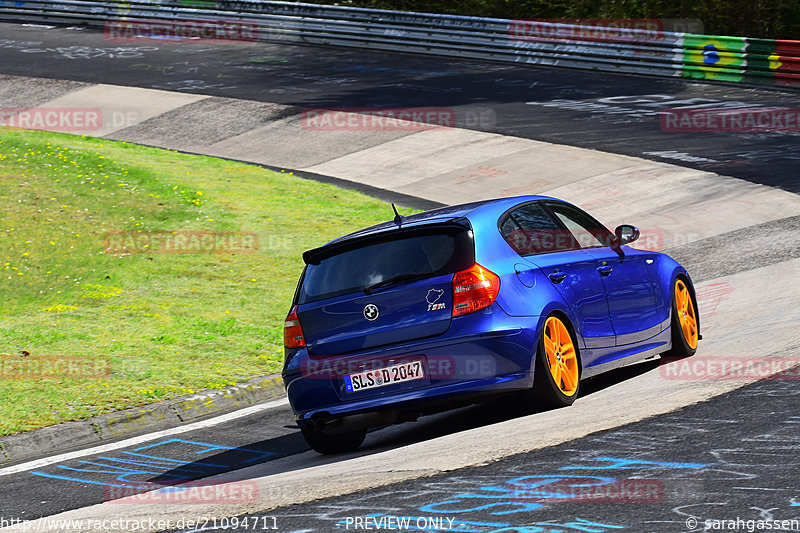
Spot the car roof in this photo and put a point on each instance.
(442, 215)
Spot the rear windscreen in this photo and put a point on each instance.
(434, 253)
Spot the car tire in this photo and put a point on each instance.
(556, 378)
(332, 443)
(684, 322)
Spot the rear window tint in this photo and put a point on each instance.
(432, 254)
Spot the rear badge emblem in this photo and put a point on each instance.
(433, 299)
(371, 312)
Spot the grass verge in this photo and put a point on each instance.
(86, 330)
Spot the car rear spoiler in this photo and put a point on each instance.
(316, 255)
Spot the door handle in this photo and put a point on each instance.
(605, 270)
(557, 276)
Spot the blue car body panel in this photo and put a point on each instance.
(337, 325)
(582, 292)
(459, 360)
(617, 303)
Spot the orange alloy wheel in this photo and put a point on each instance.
(686, 314)
(561, 356)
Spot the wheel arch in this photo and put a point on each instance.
(564, 316)
(683, 275)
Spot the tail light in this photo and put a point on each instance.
(292, 331)
(474, 289)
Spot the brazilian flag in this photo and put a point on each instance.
(714, 58)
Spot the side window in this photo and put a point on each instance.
(587, 231)
(530, 230)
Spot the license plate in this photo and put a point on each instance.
(381, 377)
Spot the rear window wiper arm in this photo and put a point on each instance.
(393, 281)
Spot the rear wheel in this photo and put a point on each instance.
(335, 443)
(557, 372)
(685, 332)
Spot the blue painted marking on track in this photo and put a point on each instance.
(175, 466)
(617, 463)
(198, 463)
(260, 454)
(520, 506)
(105, 484)
(133, 463)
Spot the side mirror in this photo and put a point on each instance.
(626, 234)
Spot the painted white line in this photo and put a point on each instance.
(38, 463)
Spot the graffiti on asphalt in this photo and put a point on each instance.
(10, 43)
(536, 493)
(91, 52)
(169, 461)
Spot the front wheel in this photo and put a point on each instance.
(335, 443)
(685, 332)
(556, 374)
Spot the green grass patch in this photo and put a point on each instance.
(142, 327)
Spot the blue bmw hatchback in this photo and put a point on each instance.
(444, 308)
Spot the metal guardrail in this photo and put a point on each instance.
(612, 49)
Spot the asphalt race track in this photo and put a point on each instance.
(608, 112)
(640, 451)
(680, 472)
(51, 487)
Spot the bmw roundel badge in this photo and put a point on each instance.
(371, 312)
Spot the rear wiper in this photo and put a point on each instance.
(393, 281)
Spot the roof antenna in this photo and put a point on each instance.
(398, 218)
